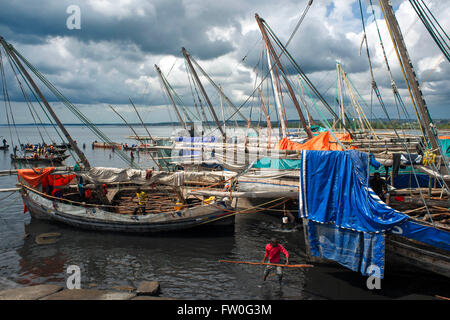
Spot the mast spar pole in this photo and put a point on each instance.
(280, 67)
(276, 96)
(202, 89)
(163, 80)
(410, 74)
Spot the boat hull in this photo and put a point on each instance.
(418, 255)
(50, 161)
(103, 145)
(96, 219)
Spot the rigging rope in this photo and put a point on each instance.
(431, 27)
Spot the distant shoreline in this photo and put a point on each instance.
(379, 124)
(96, 124)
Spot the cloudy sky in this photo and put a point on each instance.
(111, 57)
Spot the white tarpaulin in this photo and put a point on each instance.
(111, 175)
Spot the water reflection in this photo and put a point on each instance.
(110, 259)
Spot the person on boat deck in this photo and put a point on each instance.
(142, 200)
(379, 186)
(273, 250)
(35, 155)
(105, 189)
(76, 167)
(88, 194)
(57, 193)
(4, 143)
(81, 187)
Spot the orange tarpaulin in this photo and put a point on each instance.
(323, 141)
(342, 137)
(60, 179)
(35, 176)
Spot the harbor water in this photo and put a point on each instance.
(185, 264)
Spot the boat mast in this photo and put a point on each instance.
(280, 67)
(276, 94)
(142, 122)
(149, 135)
(72, 143)
(202, 89)
(269, 124)
(223, 113)
(412, 81)
(218, 88)
(170, 96)
(302, 99)
(341, 96)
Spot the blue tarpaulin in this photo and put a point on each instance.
(423, 233)
(347, 220)
(402, 181)
(354, 250)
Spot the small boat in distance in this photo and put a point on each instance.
(104, 145)
(40, 160)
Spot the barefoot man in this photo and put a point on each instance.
(273, 250)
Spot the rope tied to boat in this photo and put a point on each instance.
(429, 158)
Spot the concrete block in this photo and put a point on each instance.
(148, 288)
(89, 294)
(30, 293)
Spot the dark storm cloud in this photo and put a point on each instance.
(157, 27)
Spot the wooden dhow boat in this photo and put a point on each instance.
(40, 160)
(114, 206)
(105, 145)
(57, 151)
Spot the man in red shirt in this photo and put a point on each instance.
(273, 250)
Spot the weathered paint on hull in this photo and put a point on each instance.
(403, 250)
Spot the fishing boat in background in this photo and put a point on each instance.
(106, 145)
(54, 151)
(126, 147)
(39, 160)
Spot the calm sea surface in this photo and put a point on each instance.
(186, 265)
